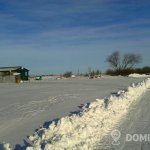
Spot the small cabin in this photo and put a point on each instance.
(14, 74)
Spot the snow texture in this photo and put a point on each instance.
(85, 129)
(135, 75)
(5, 146)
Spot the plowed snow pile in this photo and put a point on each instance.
(84, 130)
(135, 75)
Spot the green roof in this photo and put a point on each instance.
(11, 68)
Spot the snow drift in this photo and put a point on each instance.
(85, 129)
(135, 75)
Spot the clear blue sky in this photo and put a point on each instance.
(55, 36)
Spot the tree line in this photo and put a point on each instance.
(120, 65)
(125, 65)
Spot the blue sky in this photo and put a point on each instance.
(55, 36)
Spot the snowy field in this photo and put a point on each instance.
(27, 106)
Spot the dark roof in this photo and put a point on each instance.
(11, 68)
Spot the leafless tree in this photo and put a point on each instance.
(129, 60)
(114, 60)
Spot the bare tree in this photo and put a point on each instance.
(129, 60)
(114, 60)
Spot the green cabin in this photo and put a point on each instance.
(24, 73)
(14, 74)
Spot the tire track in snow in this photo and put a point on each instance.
(32, 108)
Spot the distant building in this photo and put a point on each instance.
(14, 74)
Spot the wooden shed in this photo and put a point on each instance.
(14, 74)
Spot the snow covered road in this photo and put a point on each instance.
(24, 107)
(137, 124)
(134, 130)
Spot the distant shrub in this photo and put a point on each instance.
(85, 75)
(94, 74)
(111, 72)
(146, 70)
(125, 72)
(67, 74)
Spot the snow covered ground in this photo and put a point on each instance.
(135, 75)
(24, 107)
(141, 125)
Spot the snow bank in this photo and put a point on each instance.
(5, 146)
(84, 130)
(49, 77)
(135, 75)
